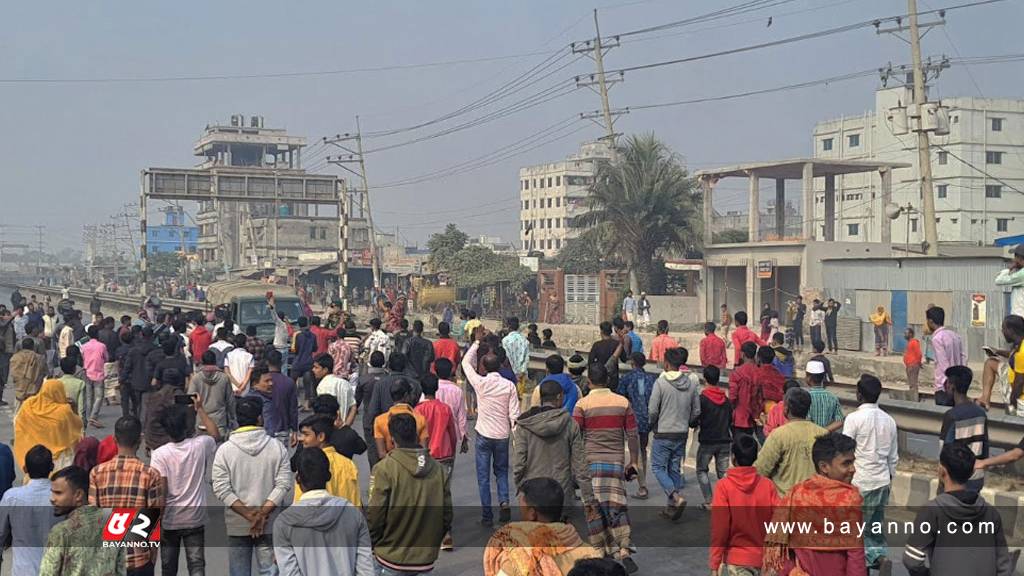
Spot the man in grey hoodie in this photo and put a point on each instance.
(252, 478)
(321, 534)
(547, 443)
(675, 401)
(214, 390)
(958, 543)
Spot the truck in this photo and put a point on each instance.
(245, 303)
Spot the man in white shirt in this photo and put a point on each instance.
(876, 458)
(1013, 278)
(378, 340)
(238, 365)
(340, 388)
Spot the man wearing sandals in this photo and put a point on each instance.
(674, 403)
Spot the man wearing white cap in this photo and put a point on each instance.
(825, 410)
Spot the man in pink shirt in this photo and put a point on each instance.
(741, 335)
(662, 342)
(94, 356)
(497, 411)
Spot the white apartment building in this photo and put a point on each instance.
(970, 206)
(552, 195)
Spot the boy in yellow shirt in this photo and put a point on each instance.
(314, 433)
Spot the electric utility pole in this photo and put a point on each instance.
(596, 49)
(920, 71)
(356, 156)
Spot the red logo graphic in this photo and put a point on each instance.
(131, 524)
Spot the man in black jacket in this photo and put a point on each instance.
(419, 352)
(832, 324)
(138, 370)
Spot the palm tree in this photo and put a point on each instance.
(643, 205)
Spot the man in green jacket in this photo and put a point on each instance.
(785, 458)
(403, 516)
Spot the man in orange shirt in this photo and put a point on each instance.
(741, 335)
(712, 348)
(401, 391)
(912, 359)
(662, 342)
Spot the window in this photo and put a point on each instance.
(534, 182)
(1002, 224)
(993, 191)
(997, 124)
(558, 222)
(323, 233)
(312, 232)
(826, 144)
(549, 181)
(526, 184)
(942, 190)
(974, 220)
(558, 202)
(526, 204)
(558, 180)
(954, 220)
(549, 222)
(956, 119)
(541, 182)
(549, 202)
(943, 158)
(558, 243)
(853, 229)
(913, 225)
(853, 140)
(541, 222)
(993, 157)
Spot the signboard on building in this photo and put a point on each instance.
(978, 310)
(764, 269)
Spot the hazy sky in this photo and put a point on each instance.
(71, 152)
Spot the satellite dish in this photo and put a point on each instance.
(893, 211)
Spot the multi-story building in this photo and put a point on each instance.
(237, 235)
(173, 235)
(977, 171)
(551, 195)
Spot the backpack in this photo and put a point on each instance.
(221, 355)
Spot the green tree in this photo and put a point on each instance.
(644, 206)
(476, 266)
(164, 264)
(581, 255)
(444, 246)
(730, 236)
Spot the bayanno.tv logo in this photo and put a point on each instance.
(132, 528)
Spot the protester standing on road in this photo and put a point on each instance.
(75, 546)
(949, 351)
(825, 409)
(27, 371)
(25, 513)
(742, 335)
(637, 386)
(498, 410)
(712, 348)
(877, 454)
(321, 533)
(125, 482)
(518, 350)
(410, 504)
(315, 433)
(674, 403)
(715, 435)
(629, 307)
(785, 458)
(184, 463)
(419, 352)
(609, 427)
(46, 418)
(745, 394)
(966, 422)
(251, 476)
(912, 359)
(8, 346)
(662, 341)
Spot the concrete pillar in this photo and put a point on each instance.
(754, 222)
(885, 223)
(780, 208)
(753, 290)
(705, 184)
(142, 229)
(808, 197)
(830, 208)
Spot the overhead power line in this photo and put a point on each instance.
(736, 10)
(260, 75)
(792, 39)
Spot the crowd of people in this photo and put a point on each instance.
(269, 429)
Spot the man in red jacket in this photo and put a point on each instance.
(712, 348)
(741, 506)
(199, 340)
(742, 334)
(744, 393)
(768, 377)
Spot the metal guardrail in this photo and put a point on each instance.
(922, 418)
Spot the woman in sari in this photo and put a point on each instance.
(48, 419)
(881, 321)
(396, 313)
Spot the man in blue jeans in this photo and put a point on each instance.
(674, 403)
(497, 409)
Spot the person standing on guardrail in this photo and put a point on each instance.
(875, 460)
(949, 351)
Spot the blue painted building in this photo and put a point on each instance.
(169, 236)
